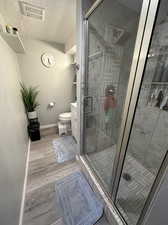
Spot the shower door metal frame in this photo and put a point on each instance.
(120, 152)
(149, 28)
(132, 98)
(144, 34)
(85, 71)
(135, 61)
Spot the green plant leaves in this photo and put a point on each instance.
(29, 97)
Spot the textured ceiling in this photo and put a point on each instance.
(59, 23)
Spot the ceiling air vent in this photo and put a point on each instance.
(33, 11)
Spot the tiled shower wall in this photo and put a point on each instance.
(150, 130)
(104, 69)
(126, 62)
(109, 64)
(149, 133)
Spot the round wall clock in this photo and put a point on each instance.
(48, 59)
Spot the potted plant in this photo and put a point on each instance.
(29, 97)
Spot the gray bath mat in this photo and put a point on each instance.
(65, 148)
(78, 202)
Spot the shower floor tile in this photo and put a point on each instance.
(132, 194)
(102, 163)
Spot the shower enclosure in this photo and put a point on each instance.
(125, 98)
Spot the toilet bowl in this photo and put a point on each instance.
(64, 124)
(65, 117)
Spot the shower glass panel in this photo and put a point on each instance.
(112, 30)
(148, 140)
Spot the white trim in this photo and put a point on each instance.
(24, 185)
(48, 126)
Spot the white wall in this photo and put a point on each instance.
(55, 84)
(71, 42)
(13, 137)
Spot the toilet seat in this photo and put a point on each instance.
(65, 116)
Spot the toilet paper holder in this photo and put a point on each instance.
(51, 105)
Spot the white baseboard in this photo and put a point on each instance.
(48, 126)
(24, 186)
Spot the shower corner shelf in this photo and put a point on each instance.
(14, 41)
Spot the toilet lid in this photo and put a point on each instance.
(65, 116)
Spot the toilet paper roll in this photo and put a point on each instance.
(51, 104)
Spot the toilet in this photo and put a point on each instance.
(64, 124)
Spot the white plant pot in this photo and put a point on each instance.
(32, 115)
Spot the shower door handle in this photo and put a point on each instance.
(88, 104)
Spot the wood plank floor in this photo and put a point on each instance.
(41, 207)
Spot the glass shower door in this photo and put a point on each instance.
(148, 142)
(112, 31)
